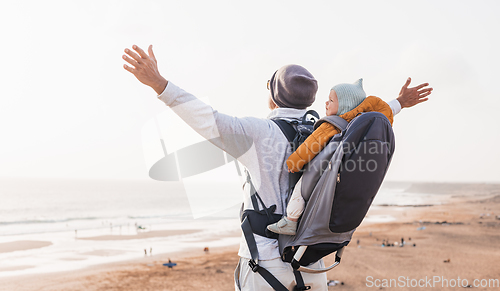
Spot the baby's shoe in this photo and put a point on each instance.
(284, 226)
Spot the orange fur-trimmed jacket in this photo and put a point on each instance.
(322, 135)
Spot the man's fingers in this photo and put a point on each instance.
(425, 90)
(422, 100)
(129, 69)
(425, 94)
(151, 54)
(140, 52)
(133, 55)
(130, 61)
(421, 86)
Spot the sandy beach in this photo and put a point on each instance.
(457, 242)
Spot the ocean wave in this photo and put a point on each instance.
(159, 216)
(147, 216)
(37, 221)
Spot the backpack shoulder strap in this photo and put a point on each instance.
(335, 120)
(289, 131)
(287, 128)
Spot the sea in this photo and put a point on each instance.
(75, 224)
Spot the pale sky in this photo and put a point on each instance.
(68, 109)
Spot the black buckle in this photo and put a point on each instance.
(295, 264)
(253, 265)
(296, 288)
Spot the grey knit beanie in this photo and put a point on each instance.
(292, 86)
(349, 96)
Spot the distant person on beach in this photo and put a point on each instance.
(292, 90)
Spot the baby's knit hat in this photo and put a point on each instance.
(292, 86)
(349, 96)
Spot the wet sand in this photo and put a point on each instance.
(22, 245)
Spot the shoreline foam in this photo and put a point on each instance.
(142, 235)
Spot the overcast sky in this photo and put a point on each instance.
(68, 109)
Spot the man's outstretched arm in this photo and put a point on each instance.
(231, 134)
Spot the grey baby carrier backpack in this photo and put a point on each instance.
(338, 185)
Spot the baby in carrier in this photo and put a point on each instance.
(346, 101)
